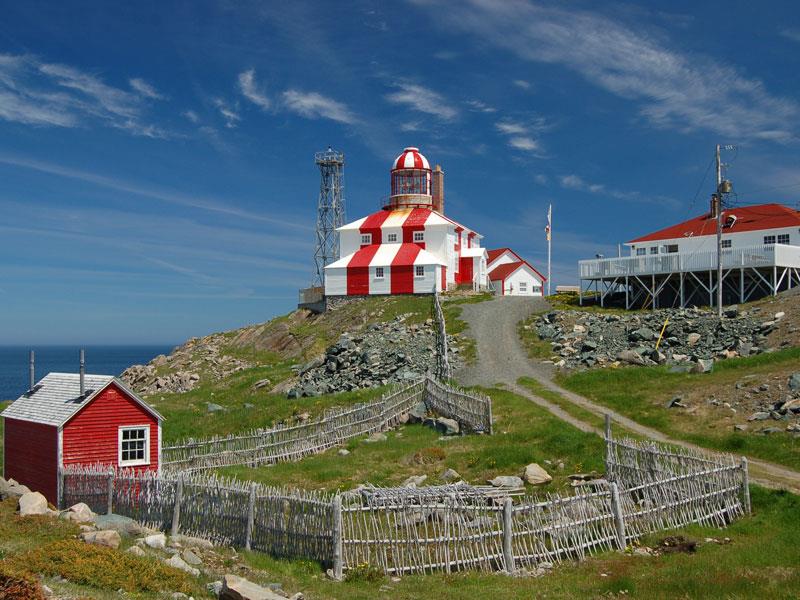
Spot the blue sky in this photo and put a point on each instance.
(156, 161)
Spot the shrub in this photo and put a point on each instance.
(428, 456)
(101, 567)
(364, 572)
(17, 585)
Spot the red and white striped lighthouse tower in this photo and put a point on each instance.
(411, 181)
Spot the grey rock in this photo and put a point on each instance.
(758, 416)
(536, 475)
(630, 357)
(12, 489)
(157, 540)
(32, 503)
(447, 426)
(418, 413)
(79, 513)
(212, 408)
(506, 481)
(177, 562)
(239, 588)
(136, 551)
(376, 437)
(449, 476)
(343, 452)
(120, 524)
(414, 481)
(794, 382)
(703, 366)
(108, 537)
(191, 558)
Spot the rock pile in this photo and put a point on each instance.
(179, 372)
(692, 337)
(383, 353)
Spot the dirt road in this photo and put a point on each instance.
(503, 360)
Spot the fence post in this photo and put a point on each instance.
(60, 490)
(251, 514)
(338, 562)
(619, 521)
(176, 511)
(745, 486)
(491, 424)
(609, 463)
(508, 535)
(110, 492)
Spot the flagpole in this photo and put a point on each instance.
(549, 244)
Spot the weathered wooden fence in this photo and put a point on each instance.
(649, 487)
(335, 426)
(442, 352)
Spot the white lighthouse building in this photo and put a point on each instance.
(409, 246)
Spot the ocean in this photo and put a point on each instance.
(100, 360)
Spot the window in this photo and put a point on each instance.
(378, 272)
(391, 237)
(419, 236)
(419, 271)
(769, 239)
(653, 249)
(641, 251)
(134, 445)
(783, 238)
(726, 243)
(366, 239)
(671, 249)
(523, 287)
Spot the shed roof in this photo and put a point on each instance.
(503, 271)
(56, 398)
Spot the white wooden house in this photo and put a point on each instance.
(512, 275)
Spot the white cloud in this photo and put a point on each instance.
(33, 92)
(250, 90)
(145, 89)
(791, 34)
(523, 143)
(578, 183)
(191, 115)
(423, 100)
(672, 89)
(511, 128)
(478, 106)
(541, 179)
(315, 106)
(521, 83)
(521, 136)
(228, 113)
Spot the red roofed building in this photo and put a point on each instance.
(676, 265)
(512, 275)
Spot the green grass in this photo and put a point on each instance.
(559, 400)
(537, 348)
(641, 393)
(761, 561)
(524, 433)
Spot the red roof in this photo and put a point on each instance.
(493, 254)
(748, 218)
(501, 272)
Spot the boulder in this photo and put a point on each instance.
(536, 475)
(177, 562)
(79, 513)
(213, 408)
(12, 489)
(506, 481)
(447, 426)
(136, 551)
(759, 416)
(239, 588)
(418, 413)
(343, 452)
(189, 542)
(693, 338)
(107, 537)
(32, 503)
(794, 382)
(123, 525)
(630, 357)
(414, 481)
(703, 366)
(449, 476)
(376, 437)
(191, 558)
(157, 540)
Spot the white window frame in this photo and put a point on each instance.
(366, 239)
(653, 249)
(769, 240)
(419, 236)
(136, 462)
(379, 273)
(783, 238)
(523, 287)
(391, 237)
(417, 269)
(641, 251)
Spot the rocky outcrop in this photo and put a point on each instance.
(384, 353)
(692, 338)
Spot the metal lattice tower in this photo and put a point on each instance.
(330, 210)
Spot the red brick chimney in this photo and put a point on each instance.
(437, 189)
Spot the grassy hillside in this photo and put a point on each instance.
(642, 393)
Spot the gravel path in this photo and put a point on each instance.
(503, 360)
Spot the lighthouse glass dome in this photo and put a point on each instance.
(411, 179)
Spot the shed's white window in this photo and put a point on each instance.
(134, 446)
(523, 287)
(366, 239)
(391, 237)
(378, 272)
(419, 236)
(419, 271)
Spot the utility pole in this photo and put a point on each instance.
(718, 204)
(549, 231)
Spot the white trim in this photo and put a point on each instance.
(417, 269)
(366, 239)
(419, 236)
(59, 467)
(379, 273)
(134, 463)
(391, 238)
(159, 448)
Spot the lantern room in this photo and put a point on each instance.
(411, 181)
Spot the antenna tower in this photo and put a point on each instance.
(330, 210)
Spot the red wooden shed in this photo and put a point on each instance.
(64, 421)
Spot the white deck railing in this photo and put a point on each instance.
(773, 255)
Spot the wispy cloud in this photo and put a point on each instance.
(313, 105)
(423, 100)
(170, 197)
(478, 106)
(576, 182)
(38, 93)
(521, 83)
(251, 91)
(191, 116)
(792, 33)
(145, 89)
(673, 89)
(523, 136)
(228, 113)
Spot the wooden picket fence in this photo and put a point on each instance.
(649, 487)
(336, 425)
